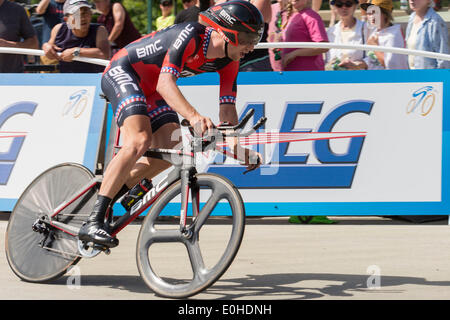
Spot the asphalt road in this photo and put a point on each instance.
(358, 258)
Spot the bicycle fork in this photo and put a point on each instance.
(188, 185)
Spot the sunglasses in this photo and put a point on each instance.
(347, 4)
(246, 38)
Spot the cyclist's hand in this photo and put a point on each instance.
(202, 124)
(248, 157)
(253, 160)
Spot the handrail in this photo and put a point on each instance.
(35, 52)
(328, 45)
(268, 45)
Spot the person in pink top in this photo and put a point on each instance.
(303, 25)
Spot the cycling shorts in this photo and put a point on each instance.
(120, 84)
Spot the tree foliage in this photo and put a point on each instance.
(137, 9)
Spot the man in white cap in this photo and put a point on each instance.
(77, 37)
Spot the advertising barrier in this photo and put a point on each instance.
(335, 143)
(45, 120)
(339, 143)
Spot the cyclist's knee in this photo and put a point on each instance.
(139, 143)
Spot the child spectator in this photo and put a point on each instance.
(426, 31)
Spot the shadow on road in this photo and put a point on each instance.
(296, 286)
(299, 285)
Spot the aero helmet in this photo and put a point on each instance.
(237, 21)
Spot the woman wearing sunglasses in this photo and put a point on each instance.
(382, 32)
(348, 30)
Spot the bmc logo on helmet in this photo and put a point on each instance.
(226, 16)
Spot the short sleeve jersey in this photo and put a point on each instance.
(180, 50)
(305, 26)
(14, 26)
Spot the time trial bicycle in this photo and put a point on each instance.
(42, 234)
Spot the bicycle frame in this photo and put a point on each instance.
(183, 162)
(184, 169)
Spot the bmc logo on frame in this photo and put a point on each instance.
(8, 158)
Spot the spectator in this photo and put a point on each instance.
(276, 25)
(167, 18)
(77, 37)
(362, 11)
(258, 60)
(333, 15)
(15, 31)
(52, 12)
(189, 13)
(192, 9)
(316, 4)
(303, 25)
(426, 31)
(121, 30)
(348, 30)
(384, 34)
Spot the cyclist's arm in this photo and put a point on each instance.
(228, 113)
(168, 89)
(227, 95)
(167, 83)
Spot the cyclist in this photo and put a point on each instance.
(140, 83)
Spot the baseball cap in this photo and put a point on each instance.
(166, 2)
(385, 4)
(72, 6)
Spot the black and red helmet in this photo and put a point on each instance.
(238, 21)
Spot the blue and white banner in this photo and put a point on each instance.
(339, 143)
(45, 120)
(335, 143)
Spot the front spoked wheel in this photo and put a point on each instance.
(36, 251)
(200, 256)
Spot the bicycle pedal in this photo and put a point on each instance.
(102, 248)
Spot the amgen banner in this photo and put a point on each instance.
(45, 120)
(335, 143)
(339, 143)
